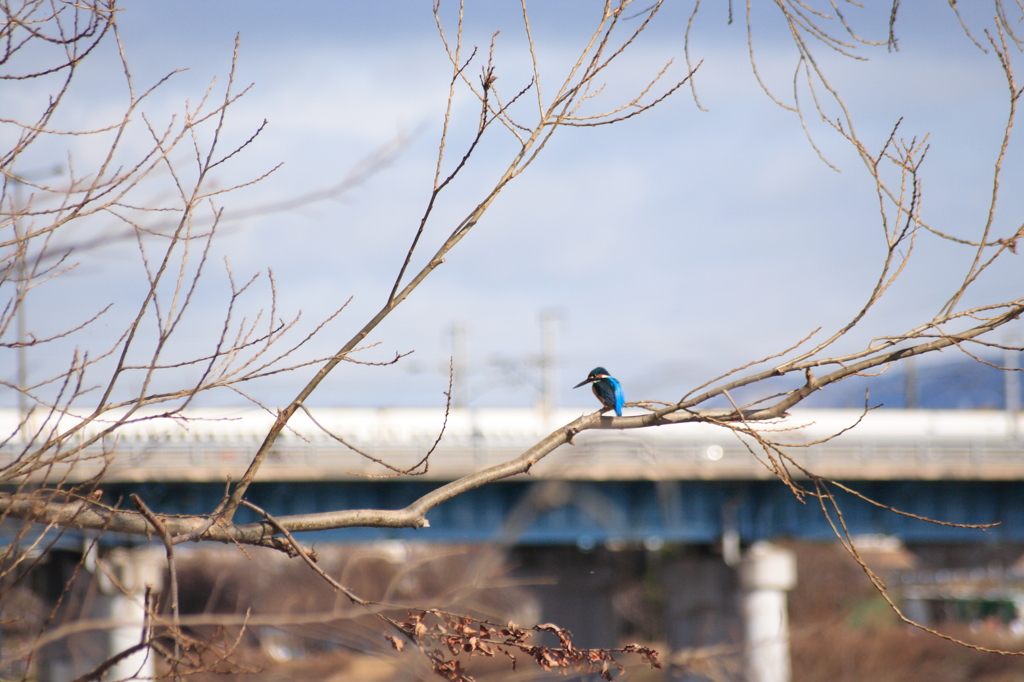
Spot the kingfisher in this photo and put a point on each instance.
(607, 389)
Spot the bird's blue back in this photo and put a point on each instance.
(609, 391)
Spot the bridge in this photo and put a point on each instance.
(636, 490)
(676, 483)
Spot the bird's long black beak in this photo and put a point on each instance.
(585, 382)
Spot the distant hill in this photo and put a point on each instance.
(956, 384)
(961, 384)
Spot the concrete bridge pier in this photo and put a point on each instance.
(767, 572)
(123, 579)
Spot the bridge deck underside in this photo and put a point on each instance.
(585, 512)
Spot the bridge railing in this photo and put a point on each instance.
(617, 457)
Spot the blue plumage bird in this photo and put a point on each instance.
(607, 389)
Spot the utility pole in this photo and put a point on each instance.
(21, 326)
(1011, 384)
(910, 391)
(458, 365)
(549, 320)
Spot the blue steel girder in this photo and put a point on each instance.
(570, 512)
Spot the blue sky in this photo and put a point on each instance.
(673, 246)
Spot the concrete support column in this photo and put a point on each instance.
(124, 578)
(767, 572)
